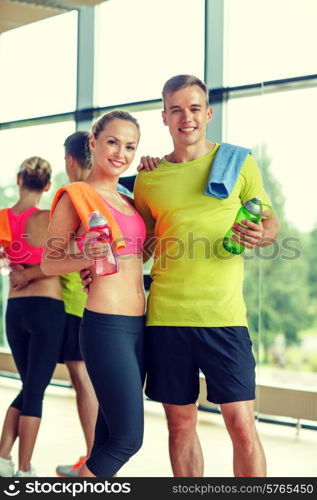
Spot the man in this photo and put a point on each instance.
(196, 316)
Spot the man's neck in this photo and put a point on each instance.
(183, 154)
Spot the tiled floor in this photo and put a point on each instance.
(60, 440)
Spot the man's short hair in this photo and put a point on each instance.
(77, 145)
(182, 81)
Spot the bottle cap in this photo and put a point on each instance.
(254, 205)
(95, 219)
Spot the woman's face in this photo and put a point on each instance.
(114, 149)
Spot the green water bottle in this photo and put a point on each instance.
(252, 211)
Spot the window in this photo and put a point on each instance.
(284, 123)
(155, 138)
(263, 41)
(140, 44)
(39, 140)
(279, 126)
(268, 40)
(38, 68)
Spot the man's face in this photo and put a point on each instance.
(186, 114)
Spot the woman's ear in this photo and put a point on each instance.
(91, 142)
(48, 185)
(18, 179)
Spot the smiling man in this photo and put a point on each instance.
(196, 316)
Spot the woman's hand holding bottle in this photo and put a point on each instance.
(96, 244)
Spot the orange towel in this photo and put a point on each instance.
(5, 230)
(86, 200)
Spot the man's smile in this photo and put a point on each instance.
(187, 130)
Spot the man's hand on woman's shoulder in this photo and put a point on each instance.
(148, 163)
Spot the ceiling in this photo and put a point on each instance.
(14, 13)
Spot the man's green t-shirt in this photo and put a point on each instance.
(196, 282)
(72, 292)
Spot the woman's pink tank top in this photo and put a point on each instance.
(19, 251)
(132, 228)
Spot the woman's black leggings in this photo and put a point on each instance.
(35, 331)
(112, 347)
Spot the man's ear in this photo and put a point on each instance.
(69, 161)
(164, 117)
(209, 114)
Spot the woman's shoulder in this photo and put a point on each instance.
(41, 214)
(127, 198)
(39, 219)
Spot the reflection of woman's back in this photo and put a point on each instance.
(28, 232)
(34, 316)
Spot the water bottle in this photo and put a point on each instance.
(108, 264)
(251, 211)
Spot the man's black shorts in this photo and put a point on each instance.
(175, 354)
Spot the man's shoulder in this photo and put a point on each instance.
(249, 165)
(145, 175)
(141, 178)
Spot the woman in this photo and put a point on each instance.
(111, 336)
(35, 339)
(78, 165)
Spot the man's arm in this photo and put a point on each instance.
(265, 232)
(142, 206)
(86, 279)
(270, 231)
(256, 235)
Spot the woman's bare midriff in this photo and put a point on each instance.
(120, 293)
(45, 287)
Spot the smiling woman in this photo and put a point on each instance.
(113, 321)
(115, 145)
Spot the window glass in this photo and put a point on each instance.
(38, 64)
(268, 40)
(284, 123)
(155, 138)
(140, 44)
(4, 291)
(280, 128)
(40, 140)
